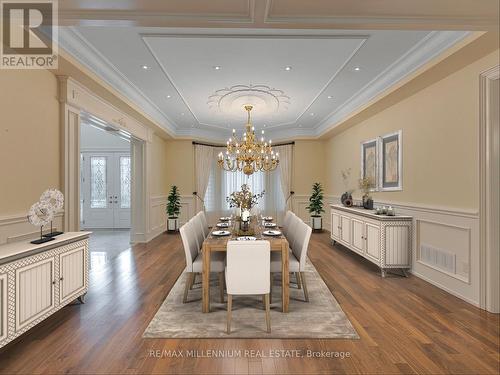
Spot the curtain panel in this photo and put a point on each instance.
(203, 159)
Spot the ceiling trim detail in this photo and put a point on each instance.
(76, 45)
(428, 48)
(434, 44)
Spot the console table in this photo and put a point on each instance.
(383, 240)
(38, 280)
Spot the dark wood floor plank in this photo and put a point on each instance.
(406, 325)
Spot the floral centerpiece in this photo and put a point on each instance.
(366, 185)
(243, 201)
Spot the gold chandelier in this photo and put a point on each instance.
(248, 154)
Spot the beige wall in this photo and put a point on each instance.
(308, 165)
(440, 143)
(180, 165)
(29, 138)
(159, 167)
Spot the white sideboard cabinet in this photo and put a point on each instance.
(38, 280)
(383, 240)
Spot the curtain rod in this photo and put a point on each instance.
(212, 145)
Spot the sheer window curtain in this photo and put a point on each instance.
(203, 158)
(285, 175)
(222, 183)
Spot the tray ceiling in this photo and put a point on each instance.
(194, 82)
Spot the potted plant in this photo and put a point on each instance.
(366, 185)
(173, 209)
(316, 206)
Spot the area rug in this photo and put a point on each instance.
(320, 318)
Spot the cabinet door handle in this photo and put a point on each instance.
(61, 278)
(54, 282)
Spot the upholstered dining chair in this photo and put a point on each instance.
(286, 222)
(247, 273)
(194, 260)
(297, 257)
(204, 222)
(198, 230)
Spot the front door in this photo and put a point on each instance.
(105, 190)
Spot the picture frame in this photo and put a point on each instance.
(391, 162)
(370, 160)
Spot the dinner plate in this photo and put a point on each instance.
(246, 238)
(223, 225)
(225, 218)
(221, 233)
(270, 225)
(267, 218)
(272, 233)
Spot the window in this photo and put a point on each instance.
(98, 182)
(125, 181)
(222, 183)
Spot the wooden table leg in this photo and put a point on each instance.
(285, 276)
(206, 278)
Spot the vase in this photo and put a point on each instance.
(368, 203)
(346, 199)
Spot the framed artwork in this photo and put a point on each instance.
(390, 159)
(369, 160)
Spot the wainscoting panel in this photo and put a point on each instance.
(158, 215)
(17, 228)
(445, 246)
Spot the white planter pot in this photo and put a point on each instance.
(172, 224)
(317, 223)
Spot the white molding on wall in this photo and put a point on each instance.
(489, 279)
(158, 216)
(16, 227)
(462, 219)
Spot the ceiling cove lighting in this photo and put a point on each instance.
(248, 154)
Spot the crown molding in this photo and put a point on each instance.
(77, 46)
(425, 50)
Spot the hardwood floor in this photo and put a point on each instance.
(406, 325)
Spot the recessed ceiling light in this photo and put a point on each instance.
(145, 67)
(330, 97)
(265, 125)
(182, 114)
(169, 96)
(312, 113)
(288, 68)
(357, 68)
(217, 67)
(300, 125)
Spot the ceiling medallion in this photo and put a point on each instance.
(263, 98)
(248, 154)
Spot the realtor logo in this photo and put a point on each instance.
(28, 34)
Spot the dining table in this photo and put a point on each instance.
(219, 243)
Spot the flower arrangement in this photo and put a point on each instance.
(244, 199)
(366, 184)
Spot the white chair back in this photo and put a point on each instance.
(190, 245)
(292, 230)
(198, 230)
(204, 223)
(301, 243)
(248, 267)
(286, 222)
